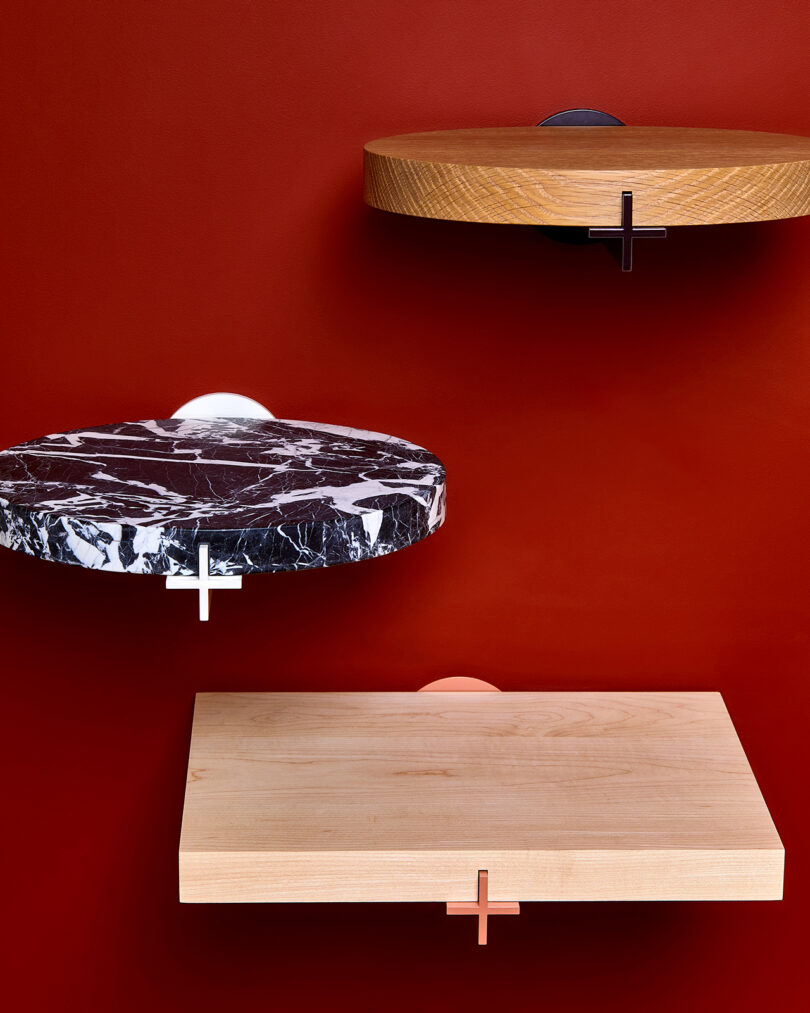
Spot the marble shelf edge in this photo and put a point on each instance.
(359, 495)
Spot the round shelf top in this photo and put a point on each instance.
(264, 494)
(575, 175)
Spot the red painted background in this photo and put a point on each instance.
(629, 491)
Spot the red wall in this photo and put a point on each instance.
(629, 489)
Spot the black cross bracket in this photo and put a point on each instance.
(627, 232)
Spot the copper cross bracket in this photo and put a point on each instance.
(483, 907)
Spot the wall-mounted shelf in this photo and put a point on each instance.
(577, 175)
(202, 501)
(410, 796)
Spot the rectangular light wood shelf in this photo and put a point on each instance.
(406, 796)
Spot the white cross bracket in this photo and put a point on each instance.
(205, 582)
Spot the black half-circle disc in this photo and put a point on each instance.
(581, 118)
(575, 235)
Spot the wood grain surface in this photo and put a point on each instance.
(575, 175)
(405, 796)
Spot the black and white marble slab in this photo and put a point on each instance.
(264, 494)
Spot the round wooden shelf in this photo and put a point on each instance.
(576, 175)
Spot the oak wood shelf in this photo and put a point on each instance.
(574, 175)
(407, 796)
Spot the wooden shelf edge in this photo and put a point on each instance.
(431, 876)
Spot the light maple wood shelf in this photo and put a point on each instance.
(409, 796)
(575, 175)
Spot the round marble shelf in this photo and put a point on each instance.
(574, 176)
(264, 495)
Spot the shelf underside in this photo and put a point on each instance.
(406, 796)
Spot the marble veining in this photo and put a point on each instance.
(265, 494)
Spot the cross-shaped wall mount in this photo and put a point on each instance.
(627, 232)
(483, 907)
(205, 582)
